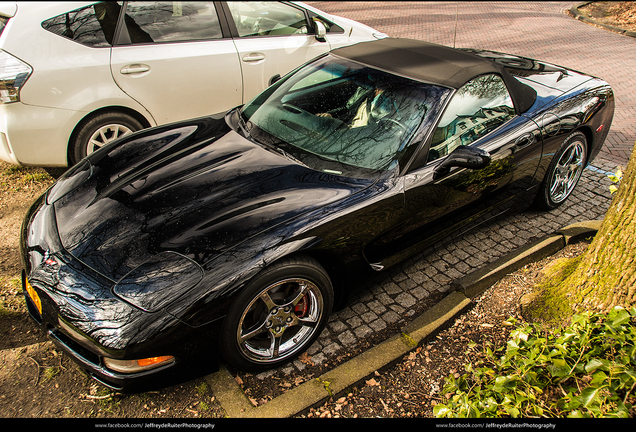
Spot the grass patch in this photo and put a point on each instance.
(27, 176)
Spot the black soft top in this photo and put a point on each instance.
(435, 64)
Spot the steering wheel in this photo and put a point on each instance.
(390, 123)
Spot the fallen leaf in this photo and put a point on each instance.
(238, 380)
(372, 382)
(306, 358)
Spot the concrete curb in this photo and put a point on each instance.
(574, 12)
(339, 380)
(477, 282)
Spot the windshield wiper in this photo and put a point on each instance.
(265, 140)
(292, 158)
(243, 125)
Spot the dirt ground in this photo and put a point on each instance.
(38, 381)
(616, 14)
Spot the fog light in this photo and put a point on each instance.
(131, 366)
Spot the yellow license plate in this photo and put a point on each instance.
(34, 296)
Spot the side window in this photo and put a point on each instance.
(331, 27)
(479, 107)
(93, 26)
(267, 19)
(152, 22)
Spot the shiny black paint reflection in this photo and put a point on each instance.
(197, 200)
(156, 283)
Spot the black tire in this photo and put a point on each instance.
(564, 172)
(111, 124)
(278, 315)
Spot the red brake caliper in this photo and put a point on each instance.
(301, 307)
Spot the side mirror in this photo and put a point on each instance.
(464, 157)
(275, 78)
(321, 31)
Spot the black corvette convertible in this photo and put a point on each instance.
(236, 235)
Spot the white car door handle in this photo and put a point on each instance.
(254, 57)
(134, 68)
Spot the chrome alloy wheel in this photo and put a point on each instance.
(567, 171)
(280, 320)
(105, 135)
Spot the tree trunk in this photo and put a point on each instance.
(605, 275)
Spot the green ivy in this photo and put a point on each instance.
(616, 179)
(585, 370)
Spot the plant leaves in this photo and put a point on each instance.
(559, 368)
(588, 395)
(619, 316)
(596, 364)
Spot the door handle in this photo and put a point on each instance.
(254, 57)
(134, 69)
(524, 141)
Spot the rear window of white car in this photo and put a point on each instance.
(93, 25)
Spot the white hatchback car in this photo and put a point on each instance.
(75, 76)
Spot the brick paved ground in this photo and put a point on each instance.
(540, 30)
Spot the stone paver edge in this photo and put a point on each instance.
(574, 12)
(339, 380)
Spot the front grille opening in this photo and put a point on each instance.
(79, 350)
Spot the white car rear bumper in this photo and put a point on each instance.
(32, 135)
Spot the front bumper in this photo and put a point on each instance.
(74, 345)
(195, 351)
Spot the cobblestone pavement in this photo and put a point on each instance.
(391, 299)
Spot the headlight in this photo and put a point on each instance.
(159, 281)
(131, 366)
(13, 74)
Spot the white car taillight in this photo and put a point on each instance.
(13, 74)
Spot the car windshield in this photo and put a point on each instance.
(336, 115)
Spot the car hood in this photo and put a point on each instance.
(195, 188)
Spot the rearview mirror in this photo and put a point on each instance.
(464, 157)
